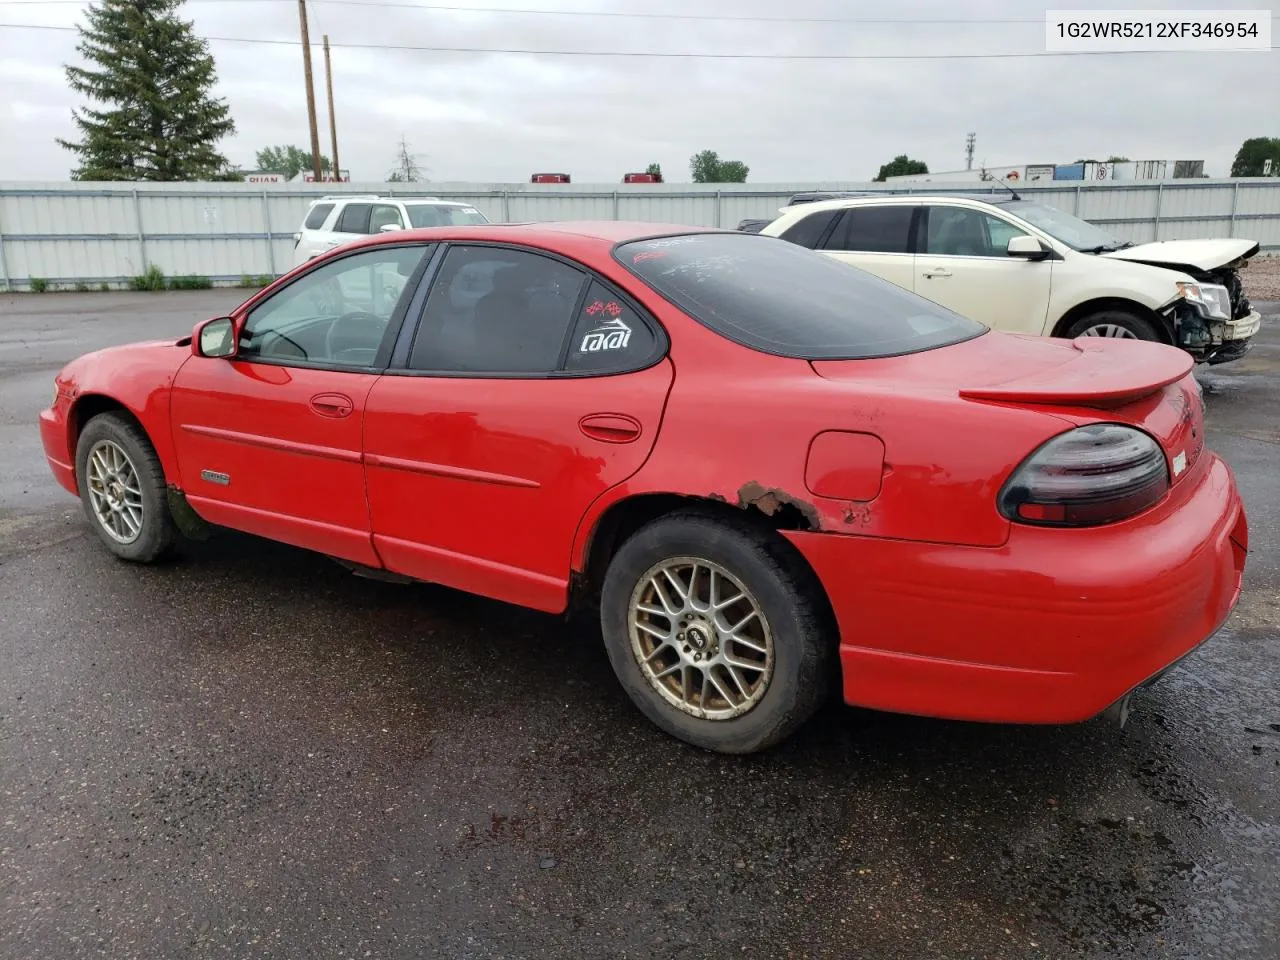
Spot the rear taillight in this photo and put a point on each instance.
(1088, 476)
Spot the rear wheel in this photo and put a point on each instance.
(122, 488)
(1118, 324)
(717, 632)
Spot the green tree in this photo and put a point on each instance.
(901, 166)
(654, 169)
(288, 160)
(707, 167)
(1252, 154)
(1116, 158)
(153, 79)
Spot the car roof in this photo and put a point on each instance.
(866, 199)
(545, 233)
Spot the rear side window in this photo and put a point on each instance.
(318, 215)
(609, 337)
(778, 298)
(354, 218)
(494, 310)
(873, 230)
(808, 232)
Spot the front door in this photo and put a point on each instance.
(964, 266)
(269, 441)
(531, 389)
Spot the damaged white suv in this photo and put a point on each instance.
(1023, 267)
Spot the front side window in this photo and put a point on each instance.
(443, 215)
(884, 229)
(318, 215)
(497, 310)
(354, 218)
(962, 232)
(335, 315)
(778, 298)
(384, 215)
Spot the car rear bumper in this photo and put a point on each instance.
(53, 435)
(1052, 627)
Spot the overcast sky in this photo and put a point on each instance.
(500, 117)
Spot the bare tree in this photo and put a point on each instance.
(406, 168)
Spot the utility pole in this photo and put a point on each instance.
(333, 123)
(968, 150)
(311, 93)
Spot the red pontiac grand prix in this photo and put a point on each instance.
(763, 466)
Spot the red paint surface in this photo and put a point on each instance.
(497, 485)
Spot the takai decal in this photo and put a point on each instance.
(610, 335)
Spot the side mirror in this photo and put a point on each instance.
(390, 228)
(214, 338)
(1027, 247)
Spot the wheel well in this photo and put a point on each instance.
(1113, 303)
(625, 517)
(88, 406)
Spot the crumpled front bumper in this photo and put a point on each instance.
(1215, 341)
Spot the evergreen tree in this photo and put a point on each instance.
(153, 77)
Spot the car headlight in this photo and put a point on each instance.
(1211, 299)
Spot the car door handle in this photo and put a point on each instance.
(937, 272)
(333, 405)
(611, 427)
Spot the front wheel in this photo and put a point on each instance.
(1118, 324)
(122, 488)
(717, 632)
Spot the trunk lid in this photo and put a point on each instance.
(1196, 254)
(1091, 379)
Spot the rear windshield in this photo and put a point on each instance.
(439, 215)
(782, 299)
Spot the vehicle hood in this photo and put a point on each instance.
(1197, 254)
(149, 357)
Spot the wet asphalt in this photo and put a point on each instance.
(248, 752)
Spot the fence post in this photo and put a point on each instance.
(506, 207)
(615, 204)
(1235, 199)
(1076, 211)
(4, 268)
(717, 223)
(266, 227)
(137, 221)
(1159, 203)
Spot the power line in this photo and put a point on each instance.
(662, 55)
(616, 14)
(629, 15)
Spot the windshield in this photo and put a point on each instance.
(779, 298)
(1072, 231)
(442, 215)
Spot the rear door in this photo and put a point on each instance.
(964, 266)
(878, 239)
(529, 389)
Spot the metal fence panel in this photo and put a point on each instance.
(69, 233)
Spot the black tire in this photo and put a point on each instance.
(1138, 327)
(787, 594)
(157, 531)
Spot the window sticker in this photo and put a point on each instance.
(610, 332)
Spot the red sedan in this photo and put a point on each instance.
(763, 466)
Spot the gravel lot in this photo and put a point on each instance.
(1262, 278)
(249, 753)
